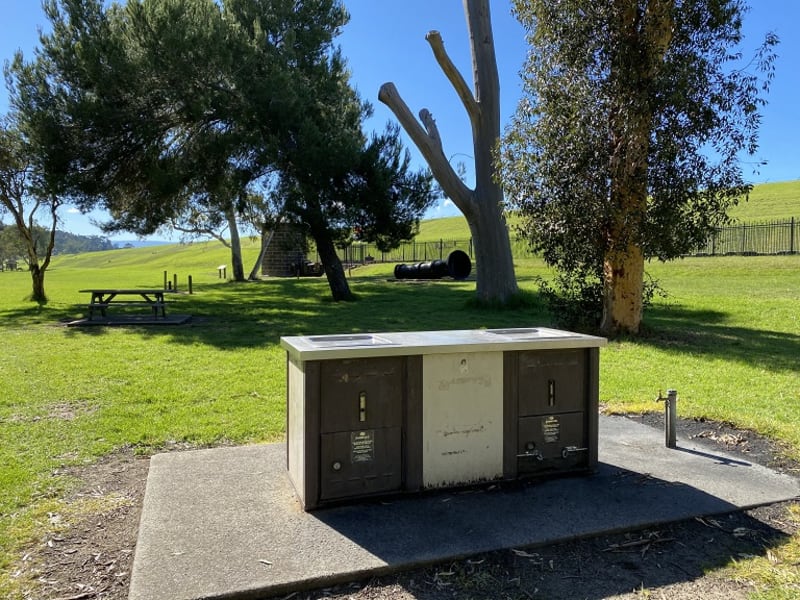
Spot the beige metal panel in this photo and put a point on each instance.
(462, 418)
(296, 426)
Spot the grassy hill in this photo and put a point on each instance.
(768, 202)
(199, 259)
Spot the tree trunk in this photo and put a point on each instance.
(237, 264)
(482, 207)
(37, 279)
(266, 240)
(35, 266)
(494, 264)
(334, 271)
(645, 36)
(623, 264)
(623, 284)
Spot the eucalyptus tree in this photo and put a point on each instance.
(626, 145)
(33, 208)
(149, 109)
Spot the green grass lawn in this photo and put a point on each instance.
(727, 338)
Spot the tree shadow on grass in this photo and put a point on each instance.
(254, 314)
(680, 329)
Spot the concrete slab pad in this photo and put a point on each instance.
(225, 523)
(119, 320)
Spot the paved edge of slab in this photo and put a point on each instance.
(225, 523)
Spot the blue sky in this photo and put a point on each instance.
(385, 41)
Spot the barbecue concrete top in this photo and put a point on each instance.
(361, 345)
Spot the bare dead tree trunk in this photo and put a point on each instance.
(482, 206)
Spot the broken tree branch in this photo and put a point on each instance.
(430, 146)
(434, 38)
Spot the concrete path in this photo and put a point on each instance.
(224, 523)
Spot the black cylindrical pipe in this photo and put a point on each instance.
(457, 266)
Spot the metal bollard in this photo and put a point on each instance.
(670, 416)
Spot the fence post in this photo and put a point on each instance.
(744, 237)
(791, 238)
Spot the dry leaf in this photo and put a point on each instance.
(740, 532)
(524, 554)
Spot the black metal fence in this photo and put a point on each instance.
(411, 252)
(748, 239)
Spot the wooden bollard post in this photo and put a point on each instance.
(175, 282)
(190, 285)
(165, 280)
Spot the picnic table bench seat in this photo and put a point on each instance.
(103, 306)
(103, 299)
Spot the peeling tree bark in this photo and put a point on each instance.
(482, 206)
(646, 34)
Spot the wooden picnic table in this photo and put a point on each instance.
(153, 298)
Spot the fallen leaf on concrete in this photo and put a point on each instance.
(524, 554)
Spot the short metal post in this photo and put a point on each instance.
(671, 417)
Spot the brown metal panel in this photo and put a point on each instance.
(363, 393)
(592, 403)
(550, 443)
(312, 418)
(510, 413)
(551, 381)
(360, 463)
(412, 425)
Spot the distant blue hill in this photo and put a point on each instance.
(139, 243)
